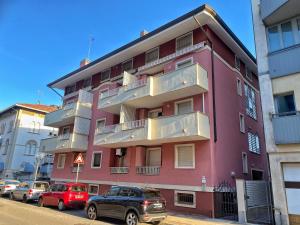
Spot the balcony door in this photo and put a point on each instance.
(153, 157)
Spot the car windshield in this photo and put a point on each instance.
(12, 182)
(78, 188)
(151, 194)
(40, 186)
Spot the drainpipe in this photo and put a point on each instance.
(212, 76)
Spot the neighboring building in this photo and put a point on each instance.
(277, 37)
(156, 113)
(21, 129)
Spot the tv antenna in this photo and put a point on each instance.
(91, 40)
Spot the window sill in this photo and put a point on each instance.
(283, 49)
(95, 167)
(184, 205)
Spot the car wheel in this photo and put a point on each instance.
(131, 218)
(92, 212)
(61, 205)
(11, 196)
(40, 202)
(156, 222)
(24, 199)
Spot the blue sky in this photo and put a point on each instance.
(43, 40)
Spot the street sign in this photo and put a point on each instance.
(79, 159)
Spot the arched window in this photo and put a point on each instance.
(30, 147)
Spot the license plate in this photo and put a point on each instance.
(78, 196)
(157, 205)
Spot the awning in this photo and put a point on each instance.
(27, 167)
(1, 166)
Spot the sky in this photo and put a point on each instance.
(41, 41)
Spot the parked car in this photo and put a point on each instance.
(30, 190)
(6, 186)
(131, 204)
(67, 195)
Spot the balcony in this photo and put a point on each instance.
(151, 92)
(64, 143)
(119, 170)
(187, 127)
(148, 170)
(286, 128)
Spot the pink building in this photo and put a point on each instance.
(177, 109)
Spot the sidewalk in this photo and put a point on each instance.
(175, 218)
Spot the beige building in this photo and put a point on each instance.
(277, 37)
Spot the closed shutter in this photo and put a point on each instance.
(154, 157)
(185, 156)
(184, 107)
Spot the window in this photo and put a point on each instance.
(114, 191)
(100, 124)
(104, 93)
(30, 147)
(248, 74)
(274, 39)
(35, 127)
(184, 63)
(152, 55)
(65, 133)
(10, 127)
(253, 142)
(61, 161)
(2, 128)
(93, 189)
(105, 75)
(87, 82)
(184, 41)
(96, 159)
(6, 147)
(245, 162)
(183, 107)
(242, 122)
(185, 156)
(155, 113)
(185, 199)
(287, 34)
(239, 87)
(237, 63)
(298, 26)
(0, 144)
(70, 89)
(128, 65)
(285, 104)
(250, 101)
(153, 157)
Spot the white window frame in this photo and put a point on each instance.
(189, 33)
(127, 62)
(92, 162)
(239, 87)
(248, 73)
(237, 62)
(257, 142)
(242, 123)
(245, 166)
(96, 125)
(182, 204)
(93, 185)
(64, 162)
(183, 61)
(103, 90)
(182, 101)
(147, 155)
(62, 134)
(151, 50)
(109, 69)
(176, 156)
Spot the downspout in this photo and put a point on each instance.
(212, 77)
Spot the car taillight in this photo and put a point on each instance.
(7, 186)
(145, 204)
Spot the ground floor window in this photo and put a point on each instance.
(93, 189)
(185, 199)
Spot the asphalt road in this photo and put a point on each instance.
(18, 213)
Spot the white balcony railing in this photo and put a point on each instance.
(186, 127)
(119, 170)
(148, 170)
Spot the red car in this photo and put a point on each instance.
(67, 195)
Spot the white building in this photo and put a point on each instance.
(277, 38)
(21, 129)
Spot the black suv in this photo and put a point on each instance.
(131, 204)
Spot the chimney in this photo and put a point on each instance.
(84, 62)
(143, 32)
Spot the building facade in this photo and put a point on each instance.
(21, 129)
(277, 37)
(177, 109)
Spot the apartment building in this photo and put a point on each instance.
(277, 37)
(177, 109)
(21, 129)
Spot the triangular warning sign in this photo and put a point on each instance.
(79, 159)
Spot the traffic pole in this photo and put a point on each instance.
(77, 173)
